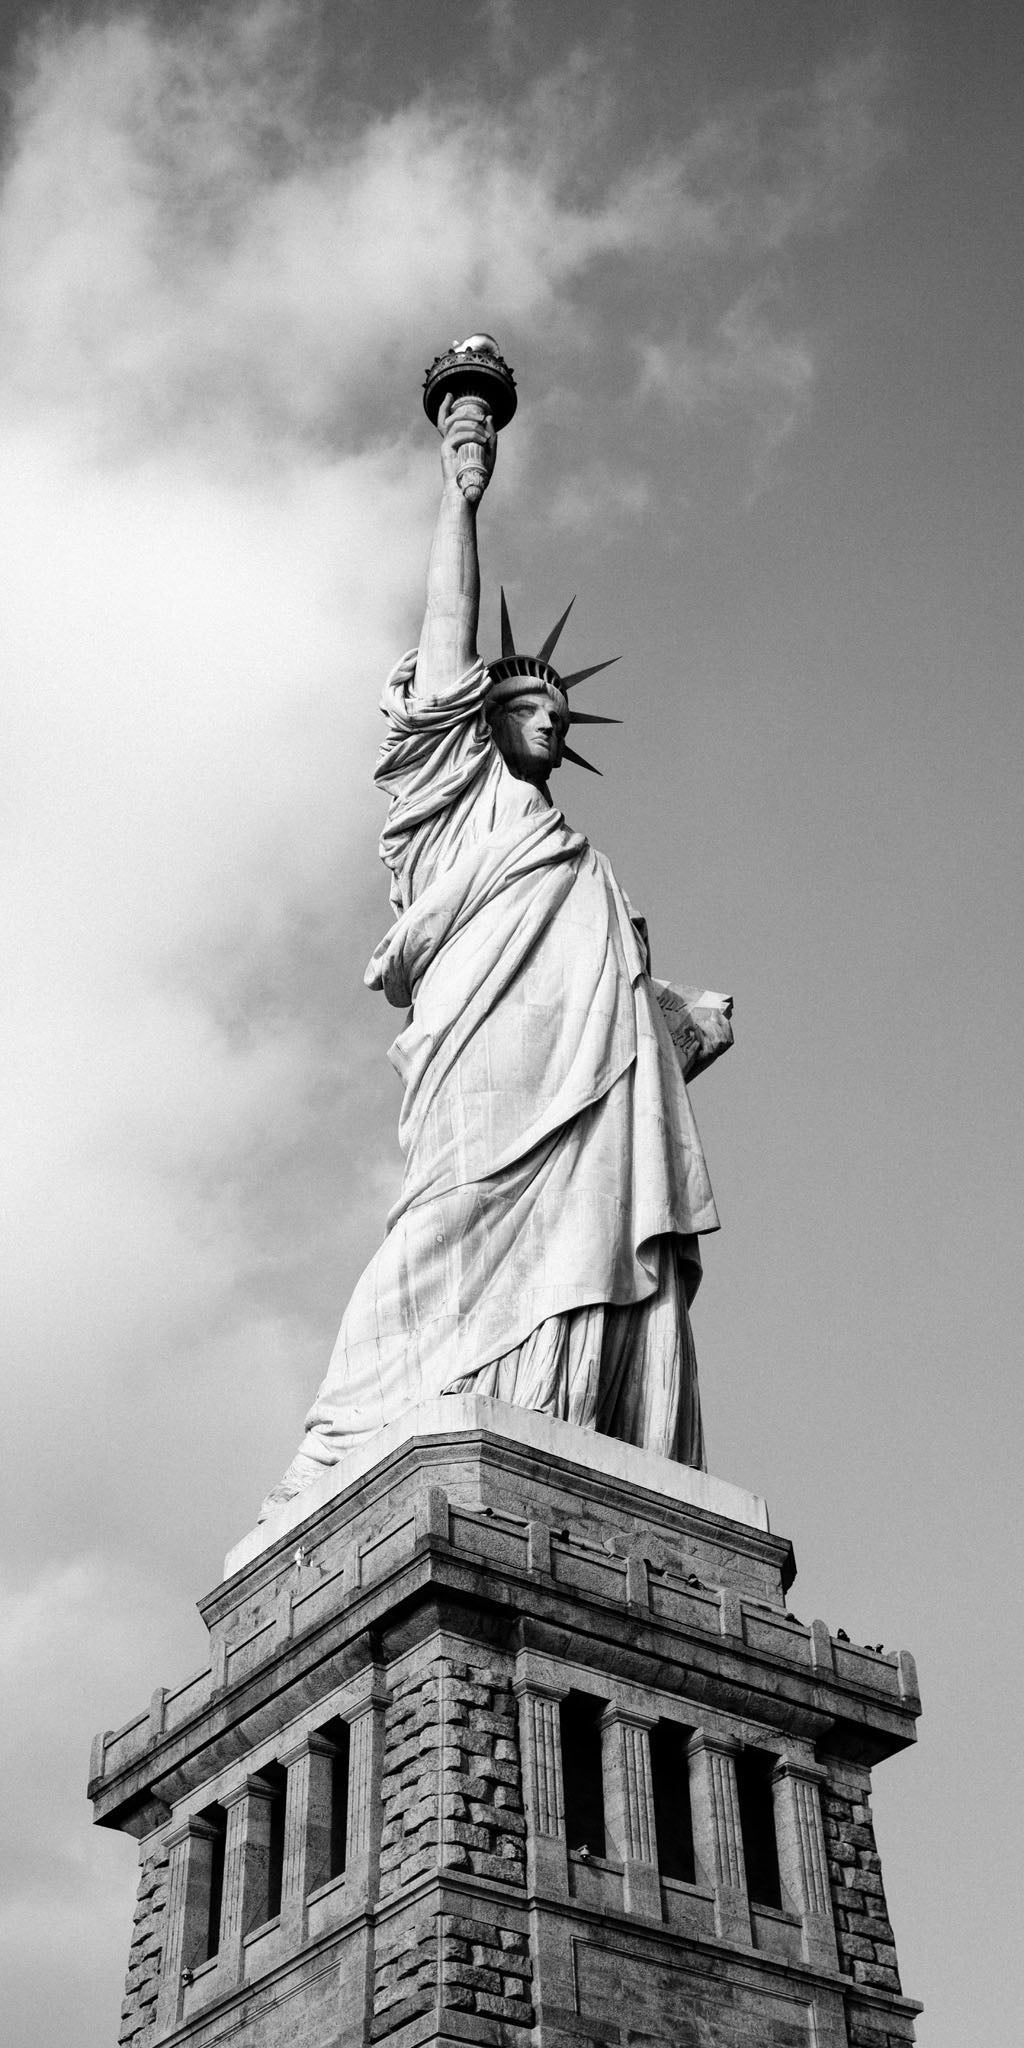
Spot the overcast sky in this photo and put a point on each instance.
(756, 264)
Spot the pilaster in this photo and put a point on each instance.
(803, 1864)
(629, 1808)
(246, 1869)
(365, 1718)
(189, 1848)
(307, 1828)
(717, 1836)
(540, 1738)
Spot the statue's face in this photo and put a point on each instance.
(529, 733)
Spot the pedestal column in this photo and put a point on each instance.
(307, 1828)
(246, 1870)
(717, 1837)
(365, 1763)
(190, 1869)
(803, 1866)
(629, 1808)
(540, 1738)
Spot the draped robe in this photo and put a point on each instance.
(543, 1248)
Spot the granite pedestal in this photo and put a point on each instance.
(508, 1737)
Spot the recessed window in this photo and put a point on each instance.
(670, 1775)
(336, 1732)
(583, 1772)
(754, 1769)
(210, 1876)
(276, 1776)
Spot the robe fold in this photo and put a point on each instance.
(553, 1171)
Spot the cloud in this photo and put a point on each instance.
(193, 256)
(772, 170)
(745, 372)
(598, 492)
(78, 1646)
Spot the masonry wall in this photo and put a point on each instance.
(864, 1936)
(142, 1984)
(451, 1801)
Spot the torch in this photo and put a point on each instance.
(474, 368)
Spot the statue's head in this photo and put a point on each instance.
(528, 706)
(529, 726)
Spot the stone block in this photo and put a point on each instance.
(512, 2009)
(859, 1947)
(860, 1835)
(878, 1975)
(473, 1837)
(460, 1926)
(474, 1977)
(394, 2016)
(504, 1772)
(510, 1823)
(473, 1695)
(476, 1742)
(885, 1953)
(501, 1726)
(501, 1867)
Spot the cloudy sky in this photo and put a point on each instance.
(756, 264)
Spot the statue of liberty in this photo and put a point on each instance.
(543, 1250)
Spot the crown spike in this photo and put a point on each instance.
(591, 718)
(508, 645)
(568, 754)
(581, 674)
(544, 653)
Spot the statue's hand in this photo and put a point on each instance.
(461, 423)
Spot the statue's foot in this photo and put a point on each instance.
(278, 1497)
(301, 1474)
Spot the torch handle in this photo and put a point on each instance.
(472, 473)
(472, 466)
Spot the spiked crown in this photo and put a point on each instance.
(515, 675)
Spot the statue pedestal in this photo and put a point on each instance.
(508, 1736)
(456, 1414)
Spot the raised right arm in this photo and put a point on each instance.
(448, 640)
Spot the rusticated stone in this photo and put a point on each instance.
(473, 1837)
(476, 1978)
(877, 1975)
(505, 2008)
(863, 1931)
(142, 1981)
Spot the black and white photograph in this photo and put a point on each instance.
(513, 1096)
